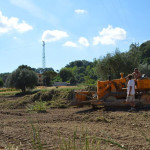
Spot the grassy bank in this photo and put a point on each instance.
(50, 97)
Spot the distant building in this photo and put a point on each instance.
(60, 84)
(40, 79)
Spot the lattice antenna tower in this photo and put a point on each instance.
(43, 57)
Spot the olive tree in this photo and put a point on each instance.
(22, 78)
(113, 64)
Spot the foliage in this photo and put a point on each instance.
(36, 137)
(73, 81)
(24, 67)
(48, 76)
(58, 104)
(134, 54)
(83, 71)
(113, 64)
(4, 76)
(42, 70)
(22, 78)
(83, 141)
(39, 107)
(57, 78)
(54, 97)
(86, 72)
(145, 69)
(65, 74)
(1, 82)
(145, 52)
(79, 63)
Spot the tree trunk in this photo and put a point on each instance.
(23, 89)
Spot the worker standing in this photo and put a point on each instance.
(136, 74)
(131, 92)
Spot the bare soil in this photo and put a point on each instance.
(130, 129)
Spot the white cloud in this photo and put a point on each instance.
(8, 24)
(70, 44)
(109, 36)
(53, 35)
(80, 11)
(83, 41)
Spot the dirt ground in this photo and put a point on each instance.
(129, 129)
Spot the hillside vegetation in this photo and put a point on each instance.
(85, 72)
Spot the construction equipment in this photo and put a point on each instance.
(112, 93)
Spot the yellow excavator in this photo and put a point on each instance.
(112, 93)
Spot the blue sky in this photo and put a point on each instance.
(71, 29)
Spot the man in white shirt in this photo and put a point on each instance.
(131, 93)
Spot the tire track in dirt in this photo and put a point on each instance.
(11, 113)
(21, 142)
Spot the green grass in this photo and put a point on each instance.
(38, 106)
(8, 93)
(36, 138)
(84, 142)
(57, 104)
(57, 98)
(7, 89)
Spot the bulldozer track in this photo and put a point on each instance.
(120, 99)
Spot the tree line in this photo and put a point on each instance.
(82, 71)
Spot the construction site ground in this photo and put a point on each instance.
(129, 129)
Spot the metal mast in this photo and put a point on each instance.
(43, 55)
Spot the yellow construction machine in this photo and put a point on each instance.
(112, 93)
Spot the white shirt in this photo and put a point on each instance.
(131, 83)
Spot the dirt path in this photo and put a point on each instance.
(120, 126)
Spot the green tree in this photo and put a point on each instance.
(145, 69)
(145, 52)
(78, 63)
(42, 70)
(83, 70)
(48, 76)
(134, 54)
(1, 82)
(57, 78)
(65, 74)
(4, 76)
(73, 81)
(113, 64)
(22, 78)
(25, 67)
(88, 80)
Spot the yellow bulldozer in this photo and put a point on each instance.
(111, 93)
